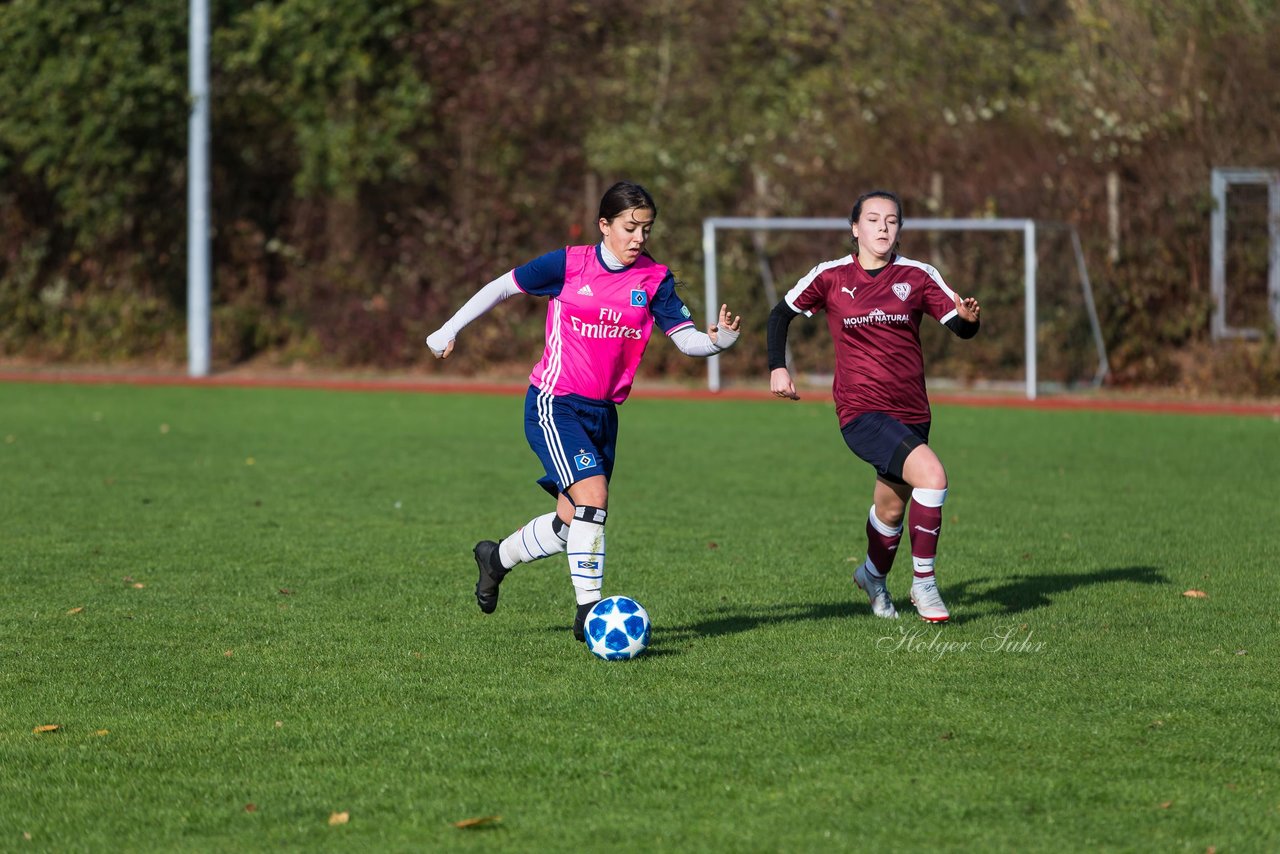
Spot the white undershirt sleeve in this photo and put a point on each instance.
(693, 342)
(486, 298)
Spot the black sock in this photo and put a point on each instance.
(580, 620)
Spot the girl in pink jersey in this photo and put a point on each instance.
(603, 303)
(875, 300)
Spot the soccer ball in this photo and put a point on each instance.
(617, 628)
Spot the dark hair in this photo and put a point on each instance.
(625, 195)
(874, 194)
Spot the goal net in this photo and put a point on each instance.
(1040, 324)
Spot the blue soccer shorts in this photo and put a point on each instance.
(573, 436)
(884, 442)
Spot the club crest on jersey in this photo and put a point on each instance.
(639, 298)
(902, 290)
(850, 291)
(584, 461)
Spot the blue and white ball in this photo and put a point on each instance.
(617, 628)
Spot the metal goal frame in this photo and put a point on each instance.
(1027, 227)
(1221, 180)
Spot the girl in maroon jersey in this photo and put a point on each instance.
(874, 300)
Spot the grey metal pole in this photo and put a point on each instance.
(1086, 287)
(1029, 274)
(1218, 255)
(713, 302)
(198, 264)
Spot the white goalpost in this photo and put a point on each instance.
(1027, 227)
(1221, 181)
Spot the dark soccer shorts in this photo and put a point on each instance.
(573, 436)
(884, 441)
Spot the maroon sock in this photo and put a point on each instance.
(926, 525)
(881, 549)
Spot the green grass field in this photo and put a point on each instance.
(248, 610)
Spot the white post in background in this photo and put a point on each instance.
(1221, 180)
(198, 264)
(1218, 254)
(1113, 216)
(713, 307)
(1273, 235)
(1029, 274)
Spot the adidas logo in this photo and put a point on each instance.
(585, 291)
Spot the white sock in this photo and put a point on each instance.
(922, 570)
(542, 537)
(884, 529)
(586, 553)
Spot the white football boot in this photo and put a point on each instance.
(928, 602)
(877, 592)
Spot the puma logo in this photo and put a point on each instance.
(849, 291)
(933, 531)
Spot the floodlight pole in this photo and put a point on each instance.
(198, 264)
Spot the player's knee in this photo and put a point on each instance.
(933, 479)
(924, 470)
(890, 514)
(593, 491)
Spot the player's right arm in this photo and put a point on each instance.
(441, 341)
(780, 384)
(543, 276)
(805, 298)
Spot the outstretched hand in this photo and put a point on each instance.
(968, 308)
(727, 322)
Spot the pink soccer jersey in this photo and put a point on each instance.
(598, 320)
(875, 324)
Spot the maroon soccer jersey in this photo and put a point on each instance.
(875, 324)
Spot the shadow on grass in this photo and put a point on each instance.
(1025, 592)
(1010, 595)
(744, 620)
(730, 620)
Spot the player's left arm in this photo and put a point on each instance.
(672, 316)
(720, 336)
(957, 313)
(965, 322)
